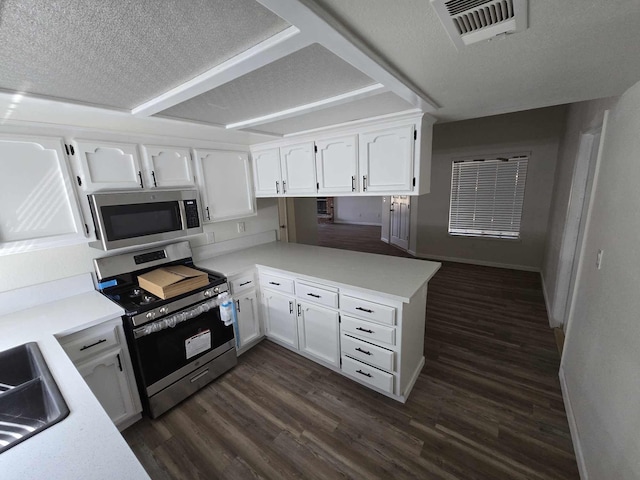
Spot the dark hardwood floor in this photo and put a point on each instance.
(487, 405)
(361, 238)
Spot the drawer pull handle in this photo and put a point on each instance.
(93, 344)
(364, 330)
(245, 283)
(363, 373)
(313, 295)
(274, 283)
(363, 351)
(364, 310)
(197, 377)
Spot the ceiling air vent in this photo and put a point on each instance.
(471, 21)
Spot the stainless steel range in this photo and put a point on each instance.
(177, 345)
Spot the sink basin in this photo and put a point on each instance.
(30, 400)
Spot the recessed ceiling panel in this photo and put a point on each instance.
(356, 110)
(122, 53)
(308, 75)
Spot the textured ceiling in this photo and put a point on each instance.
(574, 50)
(306, 76)
(356, 110)
(122, 53)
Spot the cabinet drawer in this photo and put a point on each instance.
(242, 283)
(370, 310)
(88, 343)
(368, 353)
(368, 330)
(316, 294)
(367, 374)
(274, 282)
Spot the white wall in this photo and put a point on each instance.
(357, 210)
(601, 360)
(581, 117)
(535, 131)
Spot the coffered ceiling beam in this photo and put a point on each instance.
(280, 45)
(365, 92)
(322, 29)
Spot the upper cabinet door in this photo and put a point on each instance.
(167, 166)
(266, 165)
(337, 165)
(386, 160)
(298, 169)
(39, 206)
(106, 165)
(225, 184)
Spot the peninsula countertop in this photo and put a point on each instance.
(394, 277)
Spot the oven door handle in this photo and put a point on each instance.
(172, 320)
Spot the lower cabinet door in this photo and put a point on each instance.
(280, 318)
(248, 321)
(107, 379)
(318, 333)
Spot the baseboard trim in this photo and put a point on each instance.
(483, 263)
(547, 304)
(357, 223)
(573, 427)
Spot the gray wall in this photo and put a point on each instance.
(357, 210)
(535, 131)
(581, 117)
(601, 360)
(306, 220)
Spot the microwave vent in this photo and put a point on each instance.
(472, 21)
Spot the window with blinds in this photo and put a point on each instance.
(487, 197)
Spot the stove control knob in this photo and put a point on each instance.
(216, 289)
(164, 310)
(207, 293)
(151, 315)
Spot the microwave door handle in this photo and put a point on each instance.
(183, 215)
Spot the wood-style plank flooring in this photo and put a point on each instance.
(487, 405)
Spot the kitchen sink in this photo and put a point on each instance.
(30, 400)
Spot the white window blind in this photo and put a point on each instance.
(487, 197)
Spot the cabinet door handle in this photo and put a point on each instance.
(85, 347)
(277, 186)
(140, 177)
(284, 186)
(238, 305)
(245, 283)
(353, 183)
(364, 330)
(290, 307)
(364, 310)
(364, 183)
(358, 349)
(208, 216)
(119, 362)
(299, 310)
(274, 283)
(363, 373)
(313, 295)
(153, 174)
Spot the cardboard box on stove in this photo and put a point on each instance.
(167, 282)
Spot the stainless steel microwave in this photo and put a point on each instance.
(125, 219)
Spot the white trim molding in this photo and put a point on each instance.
(573, 426)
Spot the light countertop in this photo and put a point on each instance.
(394, 277)
(86, 444)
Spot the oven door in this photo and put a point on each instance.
(166, 354)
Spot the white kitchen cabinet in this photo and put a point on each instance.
(319, 333)
(266, 171)
(248, 320)
(39, 207)
(106, 165)
(226, 188)
(280, 318)
(386, 159)
(108, 381)
(298, 169)
(166, 167)
(337, 165)
(101, 356)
